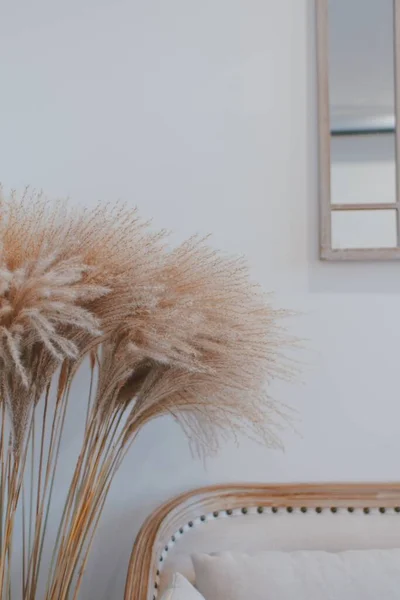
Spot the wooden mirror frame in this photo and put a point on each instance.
(326, 207)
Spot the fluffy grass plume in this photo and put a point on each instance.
(178, 332)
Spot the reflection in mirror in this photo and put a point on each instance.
(362, 99)
(363, 169)
(364, 229)
(361, 209)
(361, 66)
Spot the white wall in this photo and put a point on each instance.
(204, 115)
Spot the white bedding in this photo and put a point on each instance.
(302, 575)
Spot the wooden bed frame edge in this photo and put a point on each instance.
(182, 510)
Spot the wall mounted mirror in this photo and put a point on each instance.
(359, 128)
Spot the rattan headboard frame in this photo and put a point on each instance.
(171, 520)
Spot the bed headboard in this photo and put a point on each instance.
(251, 518)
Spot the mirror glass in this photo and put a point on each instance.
(363, 229)
(361, 51)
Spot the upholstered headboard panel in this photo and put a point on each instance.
(259, 517)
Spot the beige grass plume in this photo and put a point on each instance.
(61, 272)
(178, 332)
(201, 347)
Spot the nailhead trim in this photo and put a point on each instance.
(260, 510)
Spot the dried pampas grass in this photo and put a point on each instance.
(178, 332)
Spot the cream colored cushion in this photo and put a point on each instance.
(181, 589)
(304, 575)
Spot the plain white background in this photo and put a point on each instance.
(203, 114)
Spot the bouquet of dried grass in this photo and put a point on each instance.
(177, 332)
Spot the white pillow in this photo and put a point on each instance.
(181, 589)
(308, 575)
